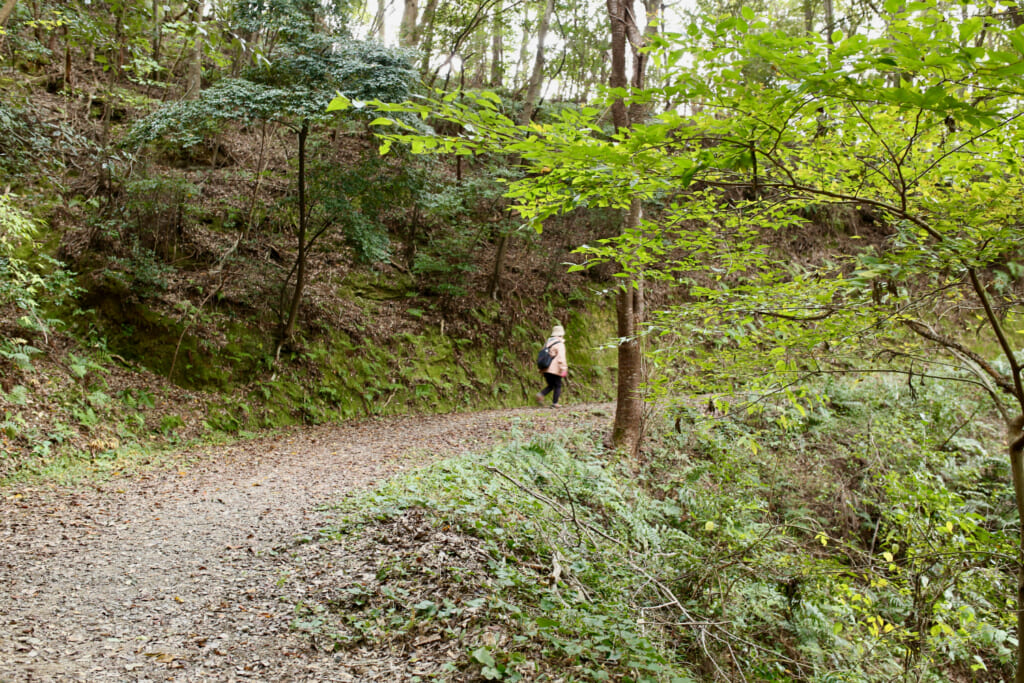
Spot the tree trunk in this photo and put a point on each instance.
(194, 78)
(157, 30)
(628, 429)
(617, 75)
(1015, 449)
(1015, 442)
(497, 48)
(300, 258)
(537, 76)
(425, 35)
(499, 265)
(377, 27)
(638, 41)
(120, 37)
(523, 58)
(407, 29)
(478, 78)
(68, 73)
(259, 179)
(6, 11)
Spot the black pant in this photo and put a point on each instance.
(555, 385)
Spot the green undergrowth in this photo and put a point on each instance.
(535, 597)
(866, 534)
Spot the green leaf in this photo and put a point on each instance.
(483, 656)
(1017, 38)
(968, 29)
(381, 121)
(1011, 70)
(339, 103)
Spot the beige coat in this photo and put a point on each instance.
(559, 364)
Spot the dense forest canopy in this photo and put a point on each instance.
(324, 205)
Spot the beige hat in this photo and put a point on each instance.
(557, 331)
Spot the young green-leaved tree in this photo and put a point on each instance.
(913, 128)
(912, 132)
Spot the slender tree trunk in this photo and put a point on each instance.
(377, 27)
(6, 11)
(120, 36)
(638, 40)
(627, 431)
(537, 76)
(524, 55)
(617, 75)
(300, 262)
(407, 29)
(194, 78)
(425, 35)
(37, 16)
(1015, 441)
(497, 48)
(157, 30)
(69, 77)
(259, 179)
(628, 428)
(479, 48)
(411, 235)
(499, 266)
(241, 55)
(1015, 448)
(829, 20)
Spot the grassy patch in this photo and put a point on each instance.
(477, 564)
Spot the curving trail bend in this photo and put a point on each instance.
(167, 575)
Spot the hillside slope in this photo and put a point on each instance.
(179, 262)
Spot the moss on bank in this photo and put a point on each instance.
(113, 388)
(336, 377)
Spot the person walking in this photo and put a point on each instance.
(558, 369)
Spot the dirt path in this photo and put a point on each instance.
(166, 576)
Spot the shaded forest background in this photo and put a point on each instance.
(211, 250)
(805, 214)
(164, 229)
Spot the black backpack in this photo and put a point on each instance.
(544, 357)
